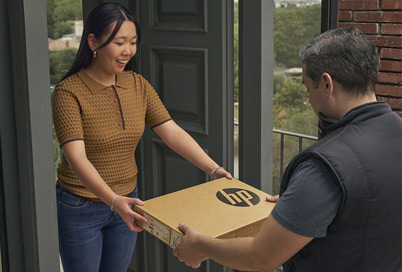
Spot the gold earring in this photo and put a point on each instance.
(94, 54)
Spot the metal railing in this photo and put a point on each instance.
(283, 133)
(299, 136)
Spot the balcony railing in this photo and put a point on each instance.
(300, 138)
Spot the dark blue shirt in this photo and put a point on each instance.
(310, 202)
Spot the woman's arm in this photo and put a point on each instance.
(84, 170)
(183, 144)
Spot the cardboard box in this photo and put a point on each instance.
(221, 208)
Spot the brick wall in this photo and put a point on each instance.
(381, 20)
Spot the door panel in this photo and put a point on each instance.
(179, 75)
(187, 63)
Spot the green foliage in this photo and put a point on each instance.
(59, 12)
(67, 10)
(236, 62)
(59, 63)
(293, 29)
(292, 112)
(62, 28)
(279, 80)
(291, 94)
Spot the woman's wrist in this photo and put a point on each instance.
(112, 205)
(213, 172)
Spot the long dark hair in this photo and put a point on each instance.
(98, 23)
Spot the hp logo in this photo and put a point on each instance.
(238, 197)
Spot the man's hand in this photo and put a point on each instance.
(273, 199)
(187, 251)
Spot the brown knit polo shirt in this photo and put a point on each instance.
(110, 120)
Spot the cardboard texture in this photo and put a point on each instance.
(221, 208)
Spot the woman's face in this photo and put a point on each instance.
(112, 58)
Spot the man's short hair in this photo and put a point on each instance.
(347, 55)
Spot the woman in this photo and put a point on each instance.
(99, 112)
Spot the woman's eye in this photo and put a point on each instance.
(133, 43)
(119, 43)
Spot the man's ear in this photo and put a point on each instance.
(328, 84)
(92, 42)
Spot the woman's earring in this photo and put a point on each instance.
(94, 54)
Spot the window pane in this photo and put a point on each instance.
(296, 23)
(65, 25)
(236, 90)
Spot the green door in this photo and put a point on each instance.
(186, 54)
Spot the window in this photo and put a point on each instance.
(65, 26)
(296, 22)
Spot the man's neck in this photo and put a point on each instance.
(349, 103)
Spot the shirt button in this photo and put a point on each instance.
(117, 112)
(120, 124)
(115, 100)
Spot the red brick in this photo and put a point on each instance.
(359, 4)
(384, 41)
(394, 103)
(345, 16)
(365, 28)
(391, 53)
(395, 78)
(391, 29)
(399, 113)
(391, 4)
(387, 90)
(378, 16)
(389, 65)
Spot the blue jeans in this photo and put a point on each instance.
(92, 238)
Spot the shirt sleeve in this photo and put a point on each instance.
(311, 201)
(66, 115)
(156, 112)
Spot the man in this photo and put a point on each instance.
(340, 200)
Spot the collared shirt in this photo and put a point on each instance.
(110, 120)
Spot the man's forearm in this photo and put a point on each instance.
(239, 253)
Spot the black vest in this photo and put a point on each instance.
(363, 151)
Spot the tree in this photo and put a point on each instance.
(62, 28)
(236, 52)
(294, 28)
(66, 10)
(59, 63)
(58, 13)
(292, 112)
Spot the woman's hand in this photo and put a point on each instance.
(222, 173)
(122, 205)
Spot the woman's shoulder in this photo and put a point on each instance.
(71, 83)
(133, 75)
(138, 81)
